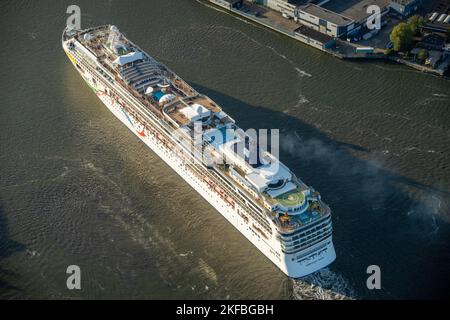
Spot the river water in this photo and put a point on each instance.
(76, 187)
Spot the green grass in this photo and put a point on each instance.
(291, 199)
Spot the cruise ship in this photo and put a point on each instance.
(275, 210)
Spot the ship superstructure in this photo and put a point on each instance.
(283, 217)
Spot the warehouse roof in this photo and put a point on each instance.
(326, 14)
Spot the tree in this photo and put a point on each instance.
(414, 23)
(422, 55)
(388, 52)
(402, 37)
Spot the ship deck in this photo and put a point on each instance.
(136, 76)
(139, 75)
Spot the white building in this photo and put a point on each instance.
(324, 20)
(335, 18)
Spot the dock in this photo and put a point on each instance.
(275, 21)
(279, 21)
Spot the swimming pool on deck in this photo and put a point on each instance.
(157, 95)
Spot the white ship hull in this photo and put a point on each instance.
(294, 265)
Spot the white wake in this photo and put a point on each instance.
(323, 285)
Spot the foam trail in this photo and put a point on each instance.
(300, 73)
(323, 285)
(303, 73)
(440, 95)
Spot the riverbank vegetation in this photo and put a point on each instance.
(402, 36)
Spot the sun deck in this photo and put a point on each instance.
(153, 83)
(293, 198)
(182, 112)
(204, 101)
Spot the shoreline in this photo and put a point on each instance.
(273, 27)
(379, 56)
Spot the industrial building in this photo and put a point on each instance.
(228, 4)
(279, 5)
(335, 18)
(324, 21)
(438, 21)
(340, 18)
(405, 7)
(314, 38)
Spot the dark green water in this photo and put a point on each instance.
(77, 188)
